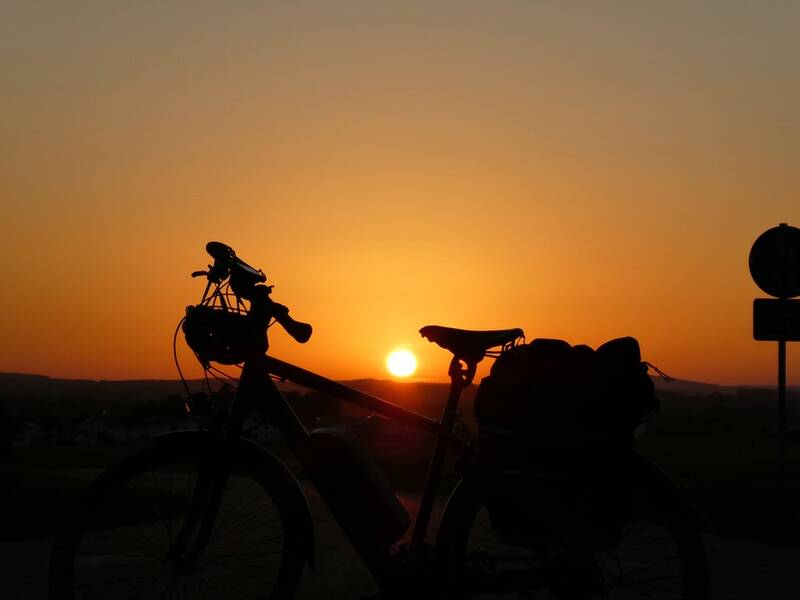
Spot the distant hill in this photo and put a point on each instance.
(681, 386)
(28, 385)
(422, 397)
(19, 386)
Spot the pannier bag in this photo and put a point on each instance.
(565, 416)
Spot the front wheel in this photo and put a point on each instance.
(178, 521)
(654, 551)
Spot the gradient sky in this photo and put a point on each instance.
(581, 170)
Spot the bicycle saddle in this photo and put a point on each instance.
(466, 344)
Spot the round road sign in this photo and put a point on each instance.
(775, 261)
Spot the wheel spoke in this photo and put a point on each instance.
(136, 514)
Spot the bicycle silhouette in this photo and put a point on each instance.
(206, 513)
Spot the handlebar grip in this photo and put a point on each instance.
(300, 331)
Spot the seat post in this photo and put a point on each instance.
(459, 379)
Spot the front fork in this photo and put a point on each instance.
(195, 533)
(192, 539)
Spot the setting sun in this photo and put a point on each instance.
(401, 363)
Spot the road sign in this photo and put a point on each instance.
(775, 267)
(776, 319)
(775, 261)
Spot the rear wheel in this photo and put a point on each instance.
(655, 552)
(139, 533)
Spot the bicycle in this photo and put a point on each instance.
(207, 513)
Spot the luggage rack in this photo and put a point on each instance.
(506, 347)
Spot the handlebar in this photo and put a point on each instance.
(247, 282)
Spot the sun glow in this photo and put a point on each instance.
(401, 363)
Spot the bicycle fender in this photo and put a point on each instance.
(646, 470)
(264, 460)
(465, 494)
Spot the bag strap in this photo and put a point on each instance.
(661, 373)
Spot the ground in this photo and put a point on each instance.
(740, 570)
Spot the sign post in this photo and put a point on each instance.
(775, 267)
(781, 413)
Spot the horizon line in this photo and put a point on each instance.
(390, 379)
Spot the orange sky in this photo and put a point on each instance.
(580, 173)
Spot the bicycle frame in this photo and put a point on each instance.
(258, 392)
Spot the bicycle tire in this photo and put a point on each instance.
(117, 544)
(478, 562)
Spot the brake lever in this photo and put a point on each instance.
(199, 273)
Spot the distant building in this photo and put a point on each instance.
(106, 430)
(31, 434)
(89, 430)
